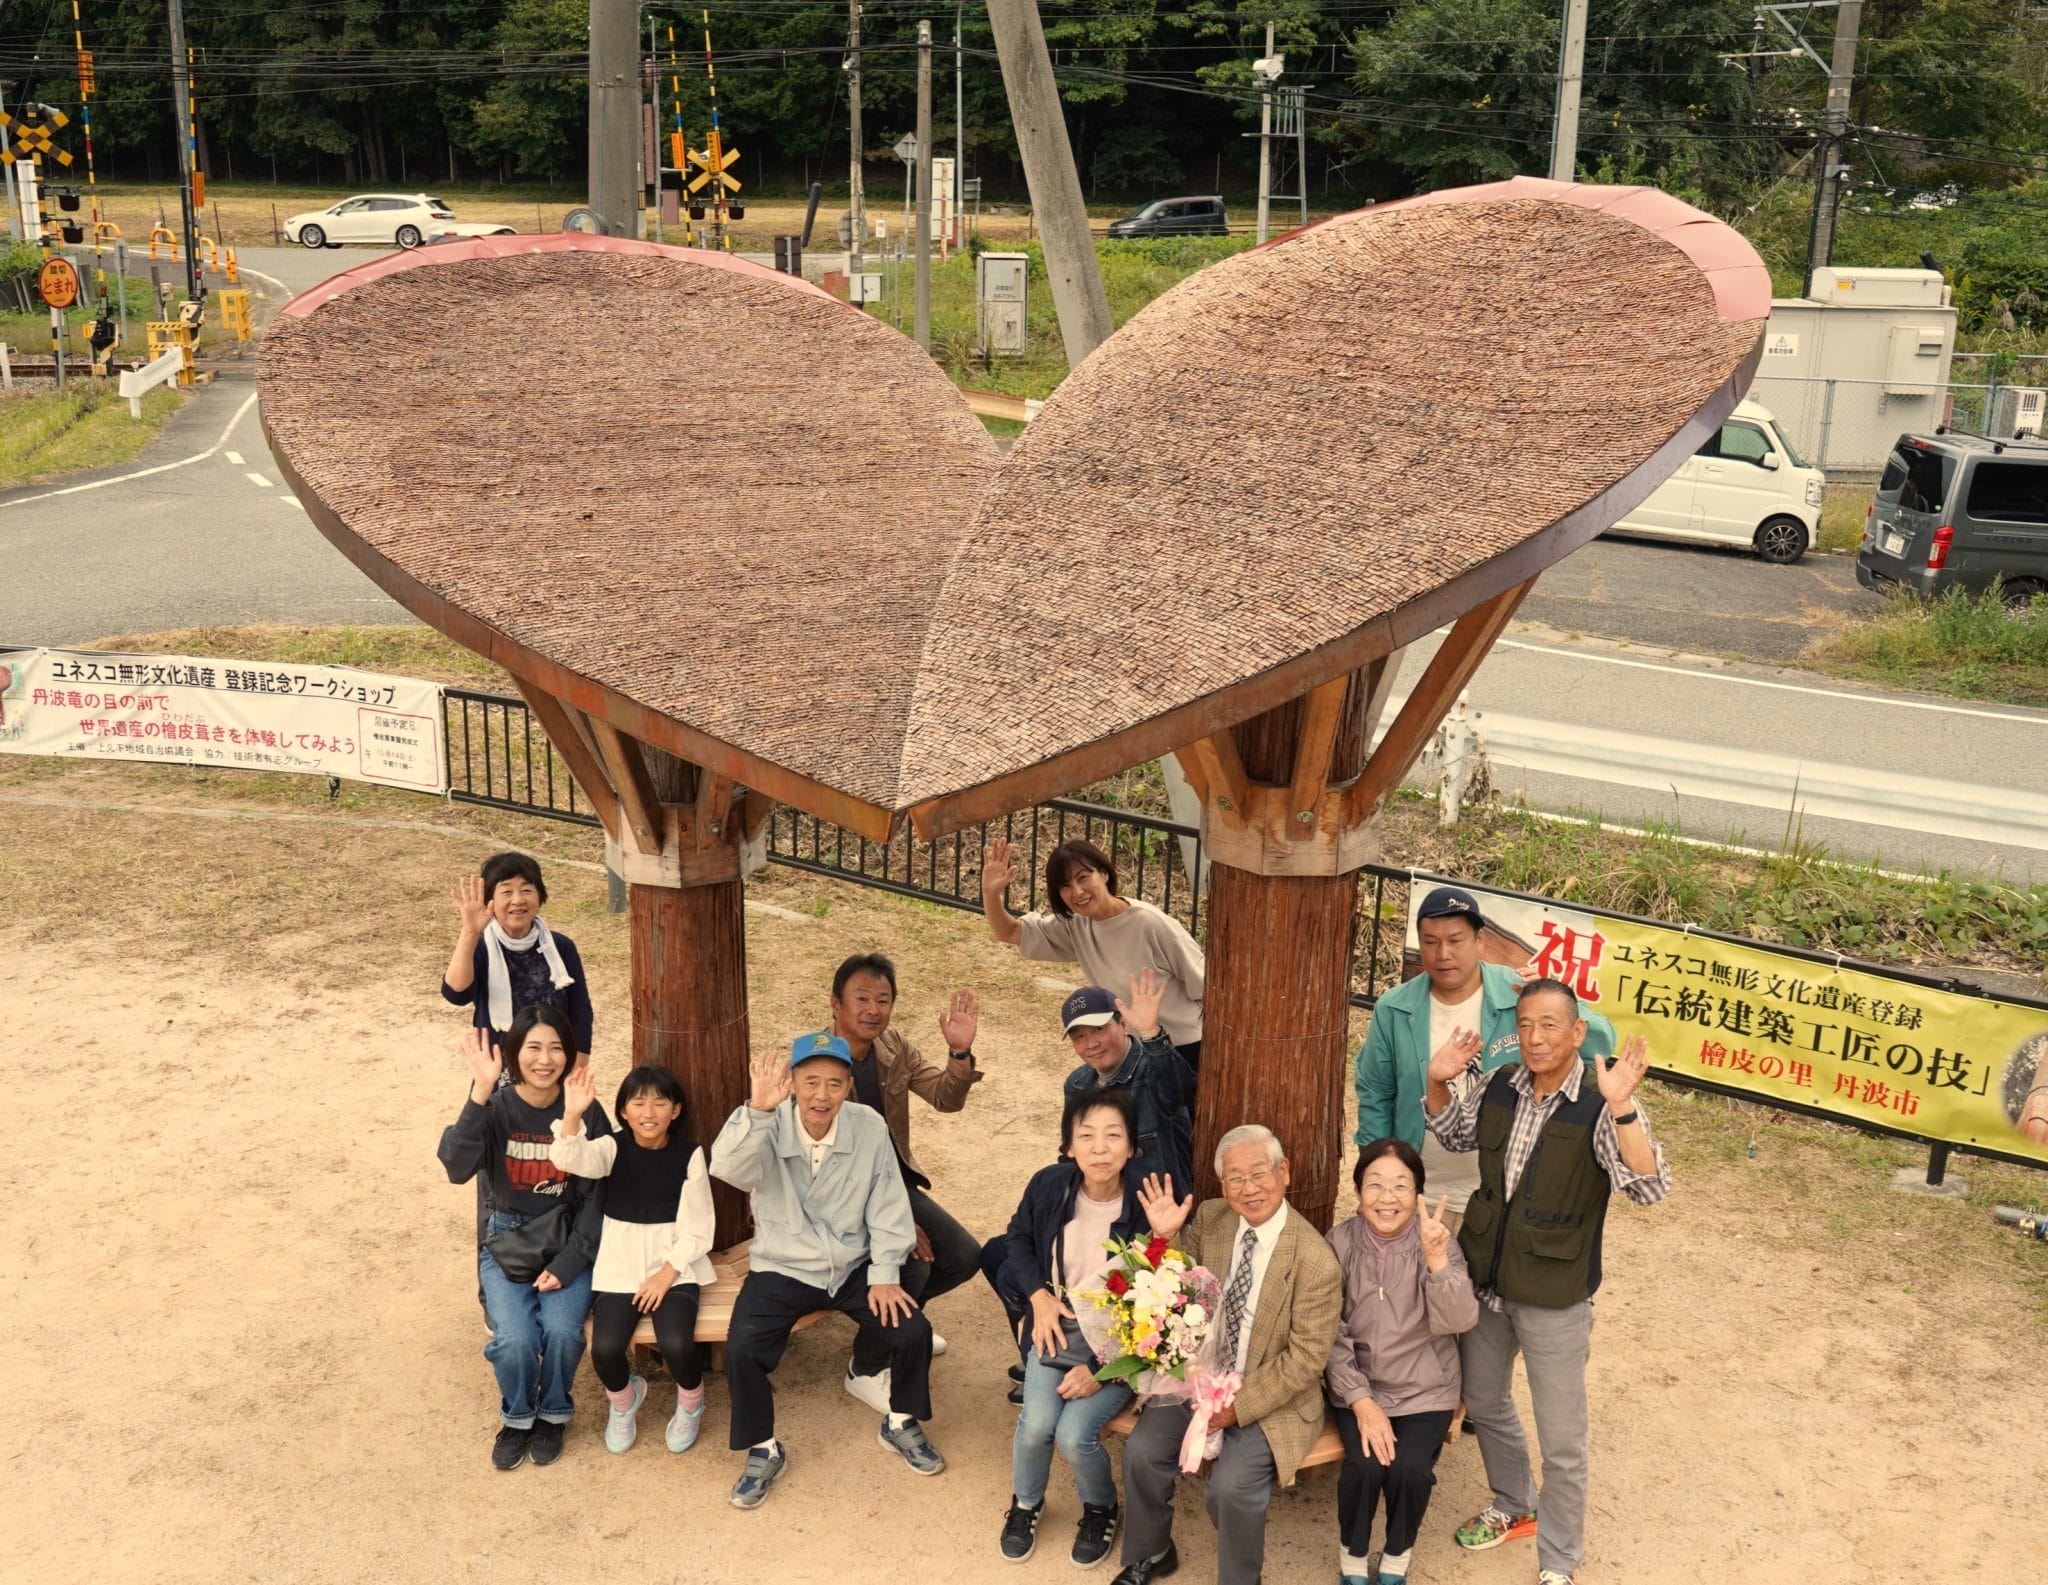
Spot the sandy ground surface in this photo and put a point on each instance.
(246, 1346)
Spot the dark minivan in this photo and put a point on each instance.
(1174, 217)
(1955, 512)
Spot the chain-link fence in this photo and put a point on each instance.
(1847, 428)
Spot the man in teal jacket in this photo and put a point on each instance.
(1457, 996)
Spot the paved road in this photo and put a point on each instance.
(199, 531)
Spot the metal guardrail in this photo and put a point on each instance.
(492, 761)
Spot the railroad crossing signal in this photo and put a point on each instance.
(28, 134)
(714, 164)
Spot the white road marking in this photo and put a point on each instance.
(257, 478)
(235, 457)
(1888, 700)
(142, 473)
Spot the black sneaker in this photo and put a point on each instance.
(1092, 1540)
(1017, 1373)
(1016, 1393)
(547, 1441)
(509, 1451)
(1020, 1531)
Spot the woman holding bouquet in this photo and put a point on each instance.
(1393, 1371)
(1057, 1245)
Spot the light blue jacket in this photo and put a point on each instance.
(816, 1230)
(1393, 1059)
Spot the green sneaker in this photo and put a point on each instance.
(1491, 1526)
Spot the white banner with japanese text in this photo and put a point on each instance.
(236, 714)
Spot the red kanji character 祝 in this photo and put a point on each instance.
(1570, 957)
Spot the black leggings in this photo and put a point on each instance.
(613, 1320)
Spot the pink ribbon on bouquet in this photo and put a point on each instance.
(1214, 1392)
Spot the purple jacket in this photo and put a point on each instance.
(1401, 1350)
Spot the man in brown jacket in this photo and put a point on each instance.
(887, 1070)
(1282, 1294)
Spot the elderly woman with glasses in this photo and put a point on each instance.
(1393, 1371)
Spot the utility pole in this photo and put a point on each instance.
(856, 197)
(1571, 77)
(921, 315)
(1828, 171)
(181, 109)
(1266, 136)
(614, 113)
(1070, 263)
(959, 135)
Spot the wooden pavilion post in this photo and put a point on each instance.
(684, 839)
(1290, 802)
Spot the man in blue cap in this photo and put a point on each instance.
(832, 1228)
(1457, 1000)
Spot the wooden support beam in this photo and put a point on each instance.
(1321, 713)
(1191, 767)
(1223, 777)
(1449, 670)
(714, 803)
(639, 808)
(578, 752)
(755, 810)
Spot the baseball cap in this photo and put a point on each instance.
(1451, 902)
(819, 1044)
(1090, 1007)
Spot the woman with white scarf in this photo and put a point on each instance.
(506, 958)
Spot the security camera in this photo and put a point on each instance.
(1267, 68)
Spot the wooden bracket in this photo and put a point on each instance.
(713, 808)
(1321, 713)
(1221, 778)
(565, 731)
(639, 808)
(1449, 670)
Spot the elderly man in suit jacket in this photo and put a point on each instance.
(1282, 1295)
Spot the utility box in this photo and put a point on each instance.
(1000, 281)
(1859, 363)
(2019, 413)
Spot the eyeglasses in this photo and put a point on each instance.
(1242, 1180)
(1385, 1191)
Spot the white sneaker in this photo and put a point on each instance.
(870, 1390)
(623, 1425)
(938, 1345)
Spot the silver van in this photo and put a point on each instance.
(1955, 512)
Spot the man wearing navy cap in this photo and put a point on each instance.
(1458, 998)
(832, 1228)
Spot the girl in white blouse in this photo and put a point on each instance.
(653, 1255)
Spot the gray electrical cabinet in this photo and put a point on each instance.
(1000, 281)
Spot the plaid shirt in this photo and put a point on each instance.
(1457, 1128)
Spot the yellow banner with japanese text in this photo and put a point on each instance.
(1873, 1050)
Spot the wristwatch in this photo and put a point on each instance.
(1626, 1118)
(961, 1056)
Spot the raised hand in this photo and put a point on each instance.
(1141, 1013)
(1435, 1234)
(1620, 1075)
(996, 869)
(1165, 1215)
(480, 1055)
(579, 1094)
(772, 1079)
(961, 1021)
(1454, 1056)
(471, 904)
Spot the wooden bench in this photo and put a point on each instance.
(1327, 1448)
(714, 1308)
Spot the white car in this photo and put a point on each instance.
(1745, 486)
(392, 220)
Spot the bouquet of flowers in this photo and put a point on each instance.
(1152, 1322)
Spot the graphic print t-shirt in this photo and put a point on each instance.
(522, 1178)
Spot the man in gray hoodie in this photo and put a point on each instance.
(832, 1228)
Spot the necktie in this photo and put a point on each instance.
(1235, 1295)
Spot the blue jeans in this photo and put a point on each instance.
(1074, 1425)
(536, 1338)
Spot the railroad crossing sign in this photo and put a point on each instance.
(58, 283)
(29, 133)
(714, 164)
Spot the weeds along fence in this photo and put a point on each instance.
(498, 756)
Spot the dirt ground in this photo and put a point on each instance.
(246, 1345)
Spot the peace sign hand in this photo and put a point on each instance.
(480, 1055)
(1435, 1234)
(773, 1080)
(579, 1094)
(996, 870)
(1620, 1075)
(1454, 1056)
